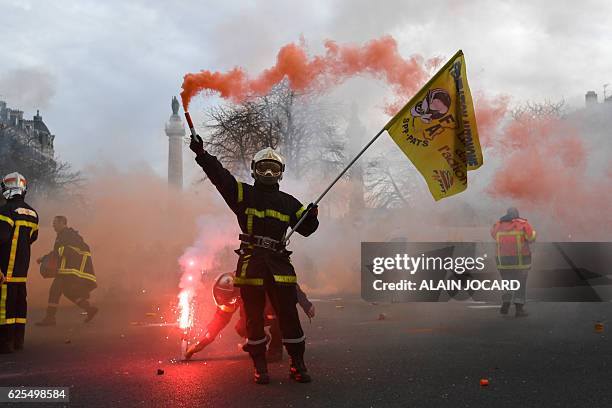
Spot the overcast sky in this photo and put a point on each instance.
(103, 72)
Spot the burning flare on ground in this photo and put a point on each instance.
(190, 283)
(185, 305)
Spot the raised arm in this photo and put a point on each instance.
(222, 179)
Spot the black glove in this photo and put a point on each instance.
(313, 210)
(196, 145)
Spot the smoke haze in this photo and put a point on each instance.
(114, 66)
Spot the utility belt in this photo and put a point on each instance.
(263, 242)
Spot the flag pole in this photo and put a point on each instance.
(285, 239)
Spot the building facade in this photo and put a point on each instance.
(31, 132)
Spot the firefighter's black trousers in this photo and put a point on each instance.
(13, 311)
(284, 299)
(69, 287)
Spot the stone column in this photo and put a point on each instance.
(176, 134)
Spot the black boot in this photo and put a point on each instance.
(91, 310)
(261, 369)
(7, 338)
(258, 355)
(520, 311)
(298, 371)
(505, 307)
(297, 367)
(19, 336)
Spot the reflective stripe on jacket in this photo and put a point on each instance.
(75, 257)
(18, 230)
(512, 238)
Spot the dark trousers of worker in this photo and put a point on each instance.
(515, 296)
(284, 299)
(72, 289)
(13, 311)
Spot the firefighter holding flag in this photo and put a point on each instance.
(437, 132)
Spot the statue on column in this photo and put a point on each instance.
(175, 105)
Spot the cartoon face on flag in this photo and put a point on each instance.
(437, 130)
(434, 106)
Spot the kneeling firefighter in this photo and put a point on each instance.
(264, 213)
(228, 301)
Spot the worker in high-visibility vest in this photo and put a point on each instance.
(513, 236)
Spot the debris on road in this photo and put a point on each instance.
(339, 307)
(382, 316)
(67, 341)
(599, 327)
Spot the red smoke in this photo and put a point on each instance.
(544, 169)
(379, 58)
(489, 116)
(540, 154)
(542, 160)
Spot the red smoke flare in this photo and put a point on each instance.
(378, 58)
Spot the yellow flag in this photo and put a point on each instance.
(437, 130)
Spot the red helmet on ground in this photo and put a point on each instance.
(224, 292)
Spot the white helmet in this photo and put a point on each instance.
(13, 184)
(267, 166)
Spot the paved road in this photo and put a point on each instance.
(421, 355)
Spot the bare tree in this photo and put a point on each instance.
(537, 110)
(390, 181)
(299, 125)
